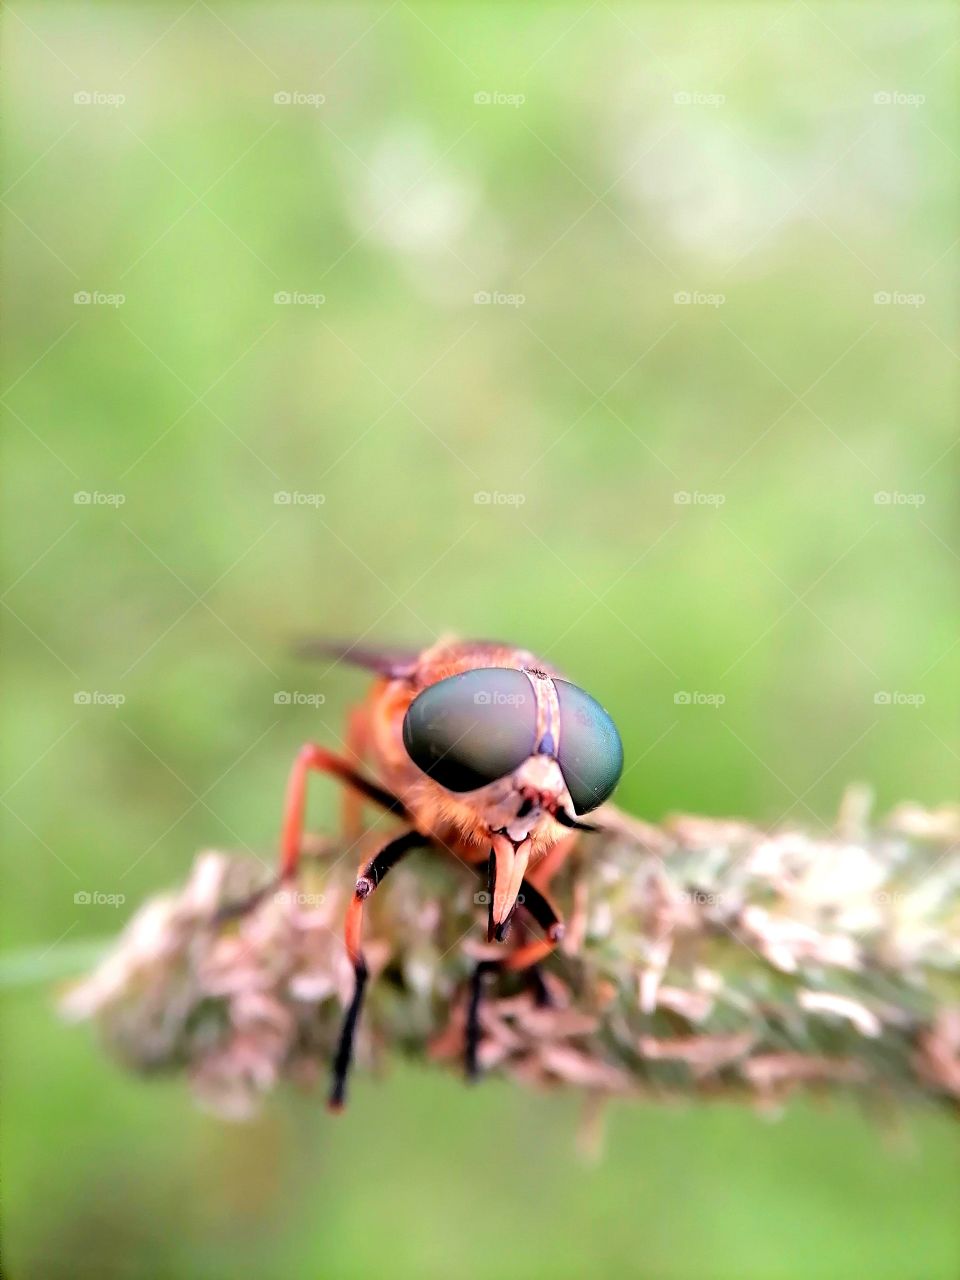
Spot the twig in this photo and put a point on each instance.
(703, 957)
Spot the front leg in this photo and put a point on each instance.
(368, 878)
(527, 956)
(310, 757)
(313, 757)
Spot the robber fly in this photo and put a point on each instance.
(483, 751)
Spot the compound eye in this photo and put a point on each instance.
(591, 753)
(471, 729)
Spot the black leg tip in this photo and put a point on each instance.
(539, 990)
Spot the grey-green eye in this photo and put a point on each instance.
(468, 730)
(591, 753)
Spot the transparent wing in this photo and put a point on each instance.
(394, 663)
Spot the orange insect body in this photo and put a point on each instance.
(461, 824)
(483, 751)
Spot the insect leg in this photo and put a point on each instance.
(352, 803)
(368, 878)
(320, 759)
(540, 878)
(545, 914)
(538, 987)
(527, 956)
(323, 761)
(472, 1030)
(491, 886)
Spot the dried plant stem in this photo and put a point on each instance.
(703, 957)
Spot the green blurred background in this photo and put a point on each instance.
(737, 154)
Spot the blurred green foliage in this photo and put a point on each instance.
(733, 150)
